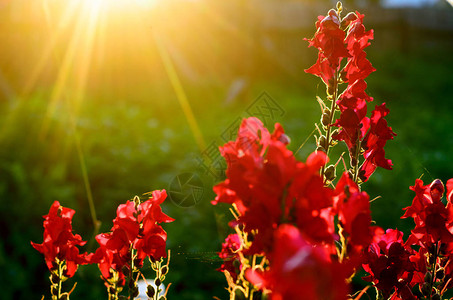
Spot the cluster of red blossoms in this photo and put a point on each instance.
(60, 245)
(300, 234)
(295, 235)
(135, 235)
(396, 267)
(342, 60)
(134, 228)
(286, 219)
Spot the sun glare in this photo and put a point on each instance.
(80, 32)
(118, 50)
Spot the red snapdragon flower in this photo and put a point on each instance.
(297, 268)
(353, 209)
(357, 39)
(136, 226)
(230, 256)
(60, 244)
(329, 40)
(389, 264)
(312, 201)
(374, 142)
(433, 220)
(338, 39)
(269, 186)
(259, 169)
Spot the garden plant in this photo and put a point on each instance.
(300, 229)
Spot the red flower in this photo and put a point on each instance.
(312, 201)
(268, 186)
(135, 227)
(230, 256)
(113, 253)
(259, 170)
(297, 268)
(329, 39)
(374, 143)
(60, 244)
(433, 220)
(389, 265)
(355, 128)
(152, 239)
(357, 39)
(353, 208)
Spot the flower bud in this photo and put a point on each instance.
(136, 201)
(164, 270)
(330, 89)
(343, 76)
(157, 282)
(440, 274)
(239, 294)
(325, 118)
(150, 291)
(348, 19)
(125, 270)
(322, 141)
(330, 173)
(284, 139)
(425, 288)
(132, 284)
(437, 190)
(134, 292)
(428, 277)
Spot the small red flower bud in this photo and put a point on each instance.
(437, 190)
(348, 19)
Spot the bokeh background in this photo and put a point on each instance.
(103, 100)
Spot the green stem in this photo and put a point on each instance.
(131, 274)
(433, 277)
(356, 157)
(331, 118)
(158, 275)
(343, 243)
(251, 288)
(59, 280)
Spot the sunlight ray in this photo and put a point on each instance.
(180, 93)
(54, 37)
(49, 50)
(85, 55)
(73, 107)
(63, 74)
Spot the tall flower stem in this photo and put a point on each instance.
(133, 289)
(355, 162)
(56, 280)
(330, 122)
(434, 267)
